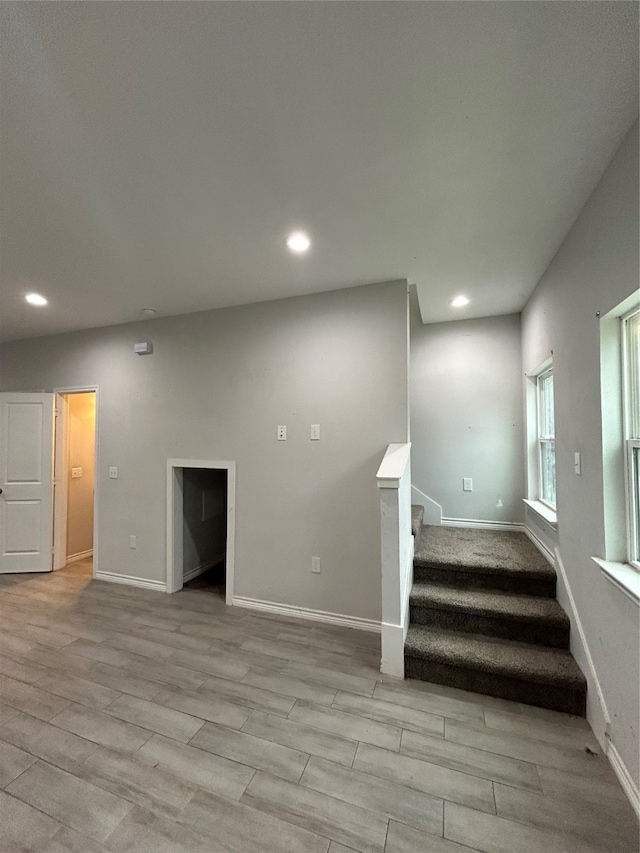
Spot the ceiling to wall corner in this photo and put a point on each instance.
(158, 154)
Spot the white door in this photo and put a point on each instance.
(26, 480)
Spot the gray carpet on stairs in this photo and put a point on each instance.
(489, 603)
(484, 617)
(480, 550)
(417, 514)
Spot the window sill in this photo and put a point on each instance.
(622, 576)
(544, 512)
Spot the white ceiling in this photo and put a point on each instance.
(157, 154)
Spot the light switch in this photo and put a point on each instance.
(282, 433)
(113, 473)
(314, 432)
(577, 464)
(76, 472)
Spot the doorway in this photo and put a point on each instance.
(75, 478)
(200, 526)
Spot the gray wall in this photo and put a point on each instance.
(466, 415)
(204, 517)
(215, 388)
(594, 270)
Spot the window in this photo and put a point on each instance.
(546, 439)
(631, 408)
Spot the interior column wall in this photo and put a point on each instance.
(466, 416)
(216, 386)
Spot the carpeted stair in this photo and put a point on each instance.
(484, 617)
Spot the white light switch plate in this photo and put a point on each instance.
(113, 473)
(467, 484)
(76, 472)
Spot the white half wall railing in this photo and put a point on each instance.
(396, 543)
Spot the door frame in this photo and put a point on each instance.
(85, 389)
(175, 514)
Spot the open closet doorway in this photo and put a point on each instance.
(74, 489)
(200, 526)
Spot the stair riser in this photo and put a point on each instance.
(552, 696)
(543, 587)
(538, 633)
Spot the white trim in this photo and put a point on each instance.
(392, 657)
(481, 524)
(546, 552)
(575, 618)
(85, 389)
(622, 576)
(393, 636)
(625, 778)
(202, 568)
(306, 613)
(543, 511)
(393, 465)
(81, 555)
(128, 580)
(174, 579)
(60, 482)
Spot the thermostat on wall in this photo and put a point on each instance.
(144, 348)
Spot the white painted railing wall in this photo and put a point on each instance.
(396, 542)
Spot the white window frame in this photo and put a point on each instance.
(541, 438)
(631, 437)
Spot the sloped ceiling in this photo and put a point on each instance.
(157, 154)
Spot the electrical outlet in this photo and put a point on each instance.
(315, 565)
(314, 432)
(282, 433)
(467, 484)
(132, 542)
(113, 473)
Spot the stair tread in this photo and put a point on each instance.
(469, 550)
(522, 661)
(508, 605)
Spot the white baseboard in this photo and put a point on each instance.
(200, 570)
(546, 552)
(160, 586)
(81, 555)
(480, 524)
(307, 613)
(624, 777)
(392, 661)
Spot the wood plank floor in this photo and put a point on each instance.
(136, 721)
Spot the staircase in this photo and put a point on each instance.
(484, 617)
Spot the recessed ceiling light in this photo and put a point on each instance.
(459, 301)
(298, 242)
(35, 299)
